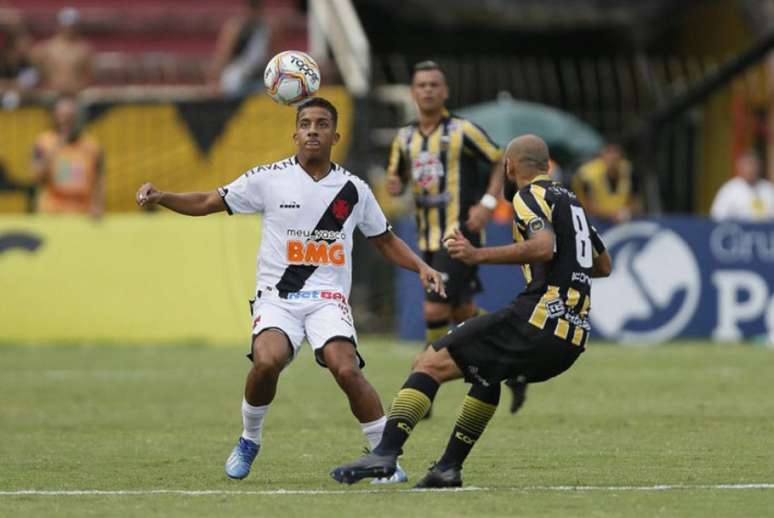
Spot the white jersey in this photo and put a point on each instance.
(738, 200)
(307, 227)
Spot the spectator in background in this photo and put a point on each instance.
(747, 196)
(15, 44)
(67, 165)
(65, 60)
(242, 51)
(605, 185)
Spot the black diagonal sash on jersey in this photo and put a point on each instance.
(296, 275)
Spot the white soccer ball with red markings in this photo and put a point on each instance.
(291, 76)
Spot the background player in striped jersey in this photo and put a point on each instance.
(440, 156)
(311, 207)
(537, 337)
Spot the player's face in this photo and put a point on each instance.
(429, 90)
(315, 133)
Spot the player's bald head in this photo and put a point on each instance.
(529, 150)
(525, 158)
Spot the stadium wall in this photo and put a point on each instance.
(179, 146)
(151, 278)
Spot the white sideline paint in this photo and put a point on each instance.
(279, 492)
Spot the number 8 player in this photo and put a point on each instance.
(538, 336)
(310, 209)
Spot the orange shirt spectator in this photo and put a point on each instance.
(67, 166)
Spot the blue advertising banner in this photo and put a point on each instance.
(672, 278)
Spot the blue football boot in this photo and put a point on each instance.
(241, 459)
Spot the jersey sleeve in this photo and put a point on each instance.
(396, 163)
(532, 211)
(479, 142)
(245, 194)
(373, 222)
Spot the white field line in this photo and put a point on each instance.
(279, 492)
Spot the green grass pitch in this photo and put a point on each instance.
(133, 420)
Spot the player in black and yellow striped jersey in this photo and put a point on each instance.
(440, 157)
(538, 336)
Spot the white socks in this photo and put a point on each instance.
(252, 421)
(373, 431)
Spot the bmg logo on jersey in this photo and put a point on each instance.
(315, 253)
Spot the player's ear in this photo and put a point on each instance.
(295, 137)
(508, 167)
(336, 137)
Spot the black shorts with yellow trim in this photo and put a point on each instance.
(461, 280)
(500, 346)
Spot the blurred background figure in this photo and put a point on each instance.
(15, 44)
(605, 185)
(747, 196)
(67, 165)
(65, 61)
(242, 51)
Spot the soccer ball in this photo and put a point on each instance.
(291, 76)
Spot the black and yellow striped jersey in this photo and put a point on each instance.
(557, 298)
(608, 195)
(443, 171)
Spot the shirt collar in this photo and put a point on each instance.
(541, 177)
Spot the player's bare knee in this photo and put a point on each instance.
(266, 366)
(418, 357)
(346, 373)
(463, 312)
(436, 364)
(435, 311)
(269, 361)
(423, 363)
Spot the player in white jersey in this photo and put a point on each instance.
(310, 209)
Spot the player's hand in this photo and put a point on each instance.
(478, 215)
(148, 195)
(432, 280)
(460, 248)
(394, 185)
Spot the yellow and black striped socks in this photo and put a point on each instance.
(435, 330)
(477, 409)
(408, 407)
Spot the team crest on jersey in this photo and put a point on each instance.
(426, 169)
(341, 209)
(536, 225)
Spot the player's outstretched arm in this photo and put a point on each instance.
(188, 203)
(398, 252)
(538, 248)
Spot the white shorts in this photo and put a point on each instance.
(317, 315)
